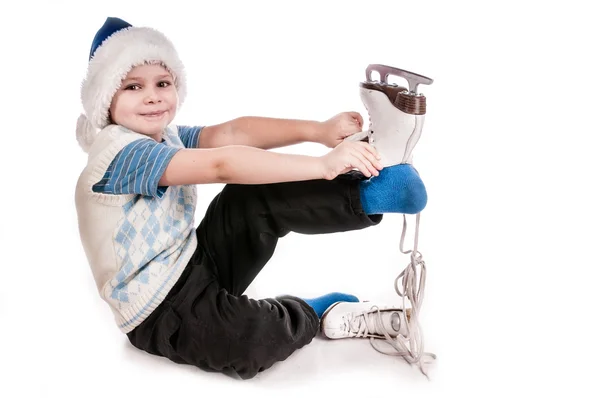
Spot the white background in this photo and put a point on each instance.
(508, 155)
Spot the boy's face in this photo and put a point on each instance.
(146, 102)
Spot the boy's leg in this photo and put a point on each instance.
(244, 222)
(205, 320)
(201, 324)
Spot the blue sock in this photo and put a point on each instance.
(397, 189)
(320, 304)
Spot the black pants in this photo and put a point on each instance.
(205, 320)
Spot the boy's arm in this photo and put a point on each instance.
(236, 164)
(259, 132)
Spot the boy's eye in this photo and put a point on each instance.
(162, 84)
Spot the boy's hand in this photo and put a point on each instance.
(332, 132)
(349, 155)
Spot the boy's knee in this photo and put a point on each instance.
(252, 360)
(268, 331)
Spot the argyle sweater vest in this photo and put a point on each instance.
(137, 246)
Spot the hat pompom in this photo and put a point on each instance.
(86, 133)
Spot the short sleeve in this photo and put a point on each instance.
(189, 135)
(137, 169)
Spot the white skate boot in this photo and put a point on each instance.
(396, 114)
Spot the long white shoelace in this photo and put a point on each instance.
(412, 288)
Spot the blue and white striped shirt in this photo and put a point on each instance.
(138, 167)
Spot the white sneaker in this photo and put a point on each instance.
(396, 114)
(345, 319)
(386, 324)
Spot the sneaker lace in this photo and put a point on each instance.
(413, 283)
(364, 324)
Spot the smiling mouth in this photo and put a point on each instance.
(153, 114)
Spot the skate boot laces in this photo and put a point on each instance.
(412, 285)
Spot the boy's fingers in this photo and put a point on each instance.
(366, 163)
(371, 149)
(358, 118)
(372, 158)
(360, 165)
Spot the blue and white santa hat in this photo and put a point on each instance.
(116, 49)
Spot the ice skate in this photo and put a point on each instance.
(396, 113)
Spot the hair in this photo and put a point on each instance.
(161, 63)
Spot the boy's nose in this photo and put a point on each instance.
(152, 97)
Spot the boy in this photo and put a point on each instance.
(177, 290)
